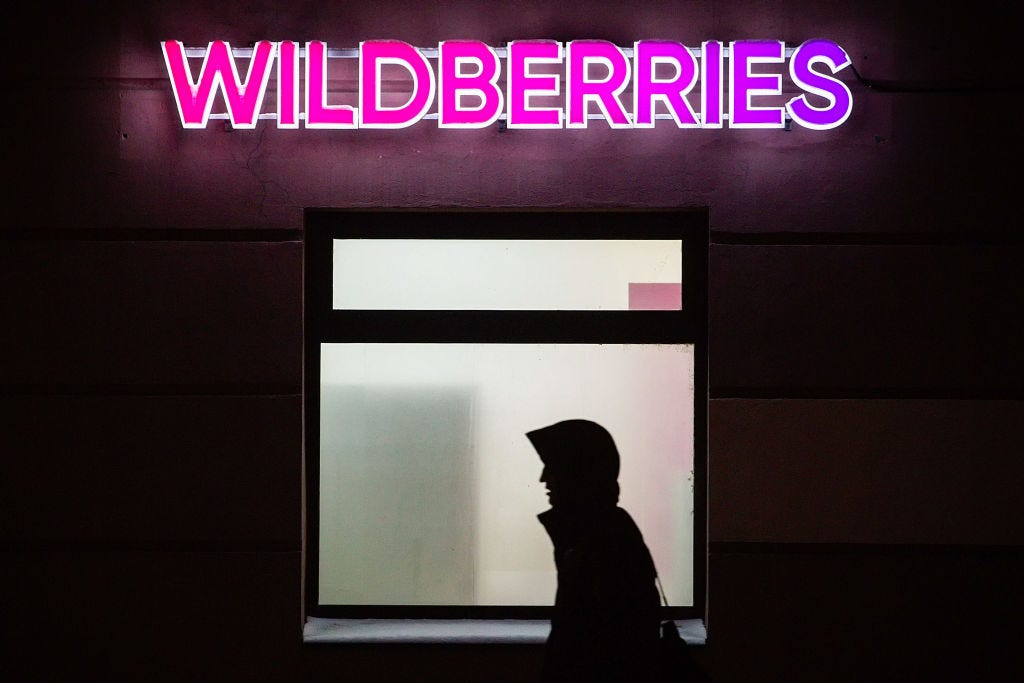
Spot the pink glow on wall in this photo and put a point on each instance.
(655, 296)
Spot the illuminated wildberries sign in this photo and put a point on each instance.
(526, 84)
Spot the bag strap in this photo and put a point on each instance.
(657, 579)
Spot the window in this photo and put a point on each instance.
(436, 340)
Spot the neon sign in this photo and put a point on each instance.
(474, 85)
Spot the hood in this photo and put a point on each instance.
(583, 457)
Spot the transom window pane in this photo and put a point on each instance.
(483, 274)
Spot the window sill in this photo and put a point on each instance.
(452, 631)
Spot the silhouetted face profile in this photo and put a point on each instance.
(581, 464)
(552, 484)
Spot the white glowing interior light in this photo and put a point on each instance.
(408, 274)
(429, 487)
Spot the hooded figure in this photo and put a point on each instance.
(605, 622)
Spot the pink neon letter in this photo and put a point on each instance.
(580, 90)
(521, 55)
(840, 100)
(318, 114)
(743, 83)
(373, 55)
(195, 100)
(453, 85)
(711, 84)
(648, 88)
(287, 85)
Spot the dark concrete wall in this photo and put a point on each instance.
(866, 374)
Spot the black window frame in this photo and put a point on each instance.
(323, 324)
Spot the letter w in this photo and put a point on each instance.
(195, 100)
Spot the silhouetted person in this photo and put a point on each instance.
(604, 626)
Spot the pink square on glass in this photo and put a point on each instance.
(655, 296)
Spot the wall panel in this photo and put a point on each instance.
(151, 313)
(156, 616)
(835, 614)
(870, 320)
(151, 471)
(866, 471)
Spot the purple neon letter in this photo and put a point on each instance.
(318, 114)
(195, 100)
(580, 90)
(648, 88)
(743, 84)
(522, 85)
(840, 100)
(453, 85)
(712, 84)
(373, 55)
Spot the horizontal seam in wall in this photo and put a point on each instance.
(169, 390)
(150, 235)
(864, 393)
(886, 549)
(50, 545)
(295, 391)
(718, 238)
(839, 239)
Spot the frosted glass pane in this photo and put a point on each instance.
(429, 487)
(608, 275)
